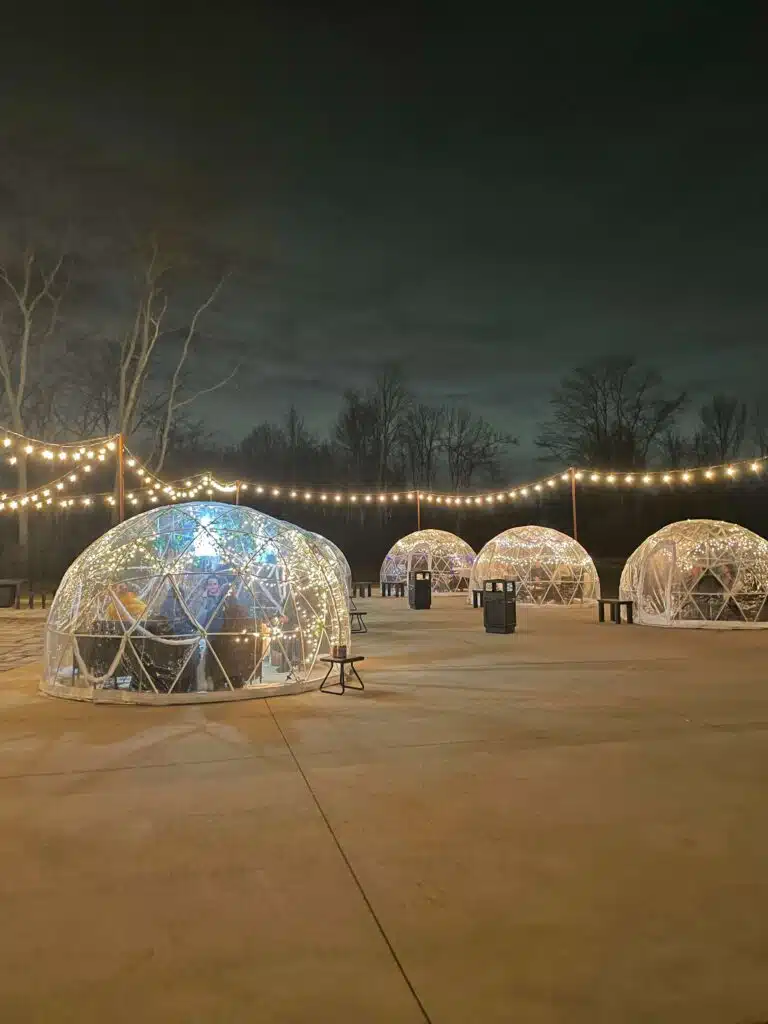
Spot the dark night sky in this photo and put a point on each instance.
(489, 199)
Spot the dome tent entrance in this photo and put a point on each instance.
(194, 602)
(549, 567)
(699, 572)
(446, 556)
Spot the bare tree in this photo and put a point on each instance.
(723, 426)
(31, 290)
(140, 385)
(422, 440)
(610, 412)
(758, 426)
(675, 450)
(178, 397)
(389, 400)
(355, 432)
(471, 444)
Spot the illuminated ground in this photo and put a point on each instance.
(568, 824)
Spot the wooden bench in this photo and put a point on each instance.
(615, 604)
(361, 589)
(10, 593)
(388, 589)
(343, 683)
(356, 623)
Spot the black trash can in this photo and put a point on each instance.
(500, 606)
(420, 589)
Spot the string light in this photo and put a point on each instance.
(94, 452)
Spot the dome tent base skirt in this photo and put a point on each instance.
(97, 695)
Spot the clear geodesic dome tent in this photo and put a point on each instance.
(549, 567)
(699, 572)
(334, 552)
(446, 556)
(195, 602)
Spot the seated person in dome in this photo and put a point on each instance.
(208, 605)
(230, 636)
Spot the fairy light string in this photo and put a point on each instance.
(143, 487)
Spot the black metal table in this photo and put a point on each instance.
(356, 621)
(343, 683)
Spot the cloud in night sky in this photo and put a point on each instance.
(488, 203)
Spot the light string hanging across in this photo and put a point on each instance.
(84, 456)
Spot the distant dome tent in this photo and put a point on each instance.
(549, 567)
(699, 572)
(446, 556)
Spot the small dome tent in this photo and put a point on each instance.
(446, 556)
(190, 602)
(550, 567)
(699, 572)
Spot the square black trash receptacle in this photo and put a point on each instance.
(500, 606)
(420, 589)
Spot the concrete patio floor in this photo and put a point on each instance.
(568, 824)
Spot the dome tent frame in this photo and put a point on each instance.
(549, 567)
(444, 554)
(699, 573)
(333, 551)
(195, 602)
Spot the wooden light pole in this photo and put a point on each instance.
(120, 478)
(573, 504)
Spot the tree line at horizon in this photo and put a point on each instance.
(84, 352)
